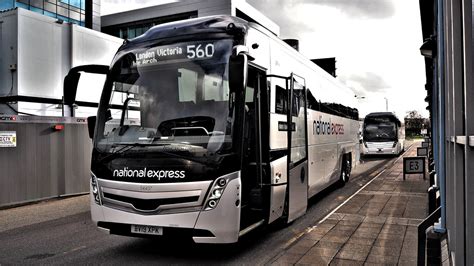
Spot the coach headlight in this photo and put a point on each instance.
(215, 194)
(212, 204)
(221, 182)
(394, 144)
(95, 189)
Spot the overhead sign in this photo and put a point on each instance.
(421, 151)
(414, 165)
(424, 131)
(7, 139)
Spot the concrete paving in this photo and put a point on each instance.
(43, 211)
(378, 225)
(60, 231)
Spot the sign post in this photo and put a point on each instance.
(414, 165)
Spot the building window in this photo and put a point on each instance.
(67, 10)
(22, 4)
(38, 4)
(50, 9)
(6, 4)
(137, 28)
(76, 3)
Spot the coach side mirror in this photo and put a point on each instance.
(71, 80)
(91, 125)
(108, 115)
(70, 87)
(238, 68)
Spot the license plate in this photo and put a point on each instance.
(147, 230)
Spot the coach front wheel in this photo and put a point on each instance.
(345, 170)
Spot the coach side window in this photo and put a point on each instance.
(298, 101)
(313, 104)
(281, 98)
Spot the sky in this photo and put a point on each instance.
(375, 42)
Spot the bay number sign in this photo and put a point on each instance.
(414, 165)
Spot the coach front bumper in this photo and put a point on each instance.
(117, 209)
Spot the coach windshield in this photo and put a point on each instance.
(173, 95)
(379, 129)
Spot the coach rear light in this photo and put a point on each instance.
(394, 144)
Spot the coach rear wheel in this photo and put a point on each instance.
(345, 170)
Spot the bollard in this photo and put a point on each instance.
(432, 203)
(431, 165)
(430, 220)
(432, 175)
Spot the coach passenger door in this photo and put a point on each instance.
(297, 148)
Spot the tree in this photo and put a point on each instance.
(413, 114)
(414, 123)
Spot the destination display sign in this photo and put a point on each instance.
(189, 51)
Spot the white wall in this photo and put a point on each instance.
(92, 47)
(8, 50)
(8, 56)
(43, 55)
(44, 52)
(204, 8)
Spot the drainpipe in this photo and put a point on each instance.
(441, 138)
(70, 108)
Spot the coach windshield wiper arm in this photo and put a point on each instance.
(128, 146)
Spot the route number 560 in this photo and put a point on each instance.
(199, 51)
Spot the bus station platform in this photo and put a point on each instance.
(377, 225)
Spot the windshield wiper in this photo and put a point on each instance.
(186, 158)
(126, 147)
(129, 146)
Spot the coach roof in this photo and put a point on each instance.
(204, 25)
(383, 114)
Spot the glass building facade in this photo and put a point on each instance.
(73, 11)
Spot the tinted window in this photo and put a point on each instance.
(281, 98)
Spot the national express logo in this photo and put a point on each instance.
(159, 174)
(327, 128)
